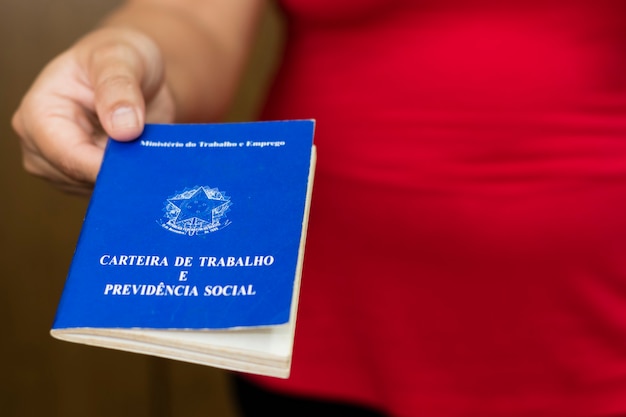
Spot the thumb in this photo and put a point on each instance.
(124, 69)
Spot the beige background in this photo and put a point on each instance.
(40, 376)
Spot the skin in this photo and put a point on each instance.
(158, 61)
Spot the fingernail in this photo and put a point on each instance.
(124, 118)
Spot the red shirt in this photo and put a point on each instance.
(467, 243)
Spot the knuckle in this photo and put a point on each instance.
(16, 123)
(113, 52)
(71, 169)
(30, 166)
(115, 81)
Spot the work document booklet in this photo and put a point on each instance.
(192, 245)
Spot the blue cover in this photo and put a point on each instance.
(194, 226)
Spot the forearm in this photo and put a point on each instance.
(205, 45)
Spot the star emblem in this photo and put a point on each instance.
(196, 211)
(198, 206)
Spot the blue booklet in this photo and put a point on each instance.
(192, 245)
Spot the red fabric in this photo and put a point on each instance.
(467, 243)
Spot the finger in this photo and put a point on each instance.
(73, 156)
(125, 70)
(59, 139)
(41, 168)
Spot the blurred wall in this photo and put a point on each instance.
(40, 376)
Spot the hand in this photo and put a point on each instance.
(108, 84)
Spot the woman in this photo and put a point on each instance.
(466, 240)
